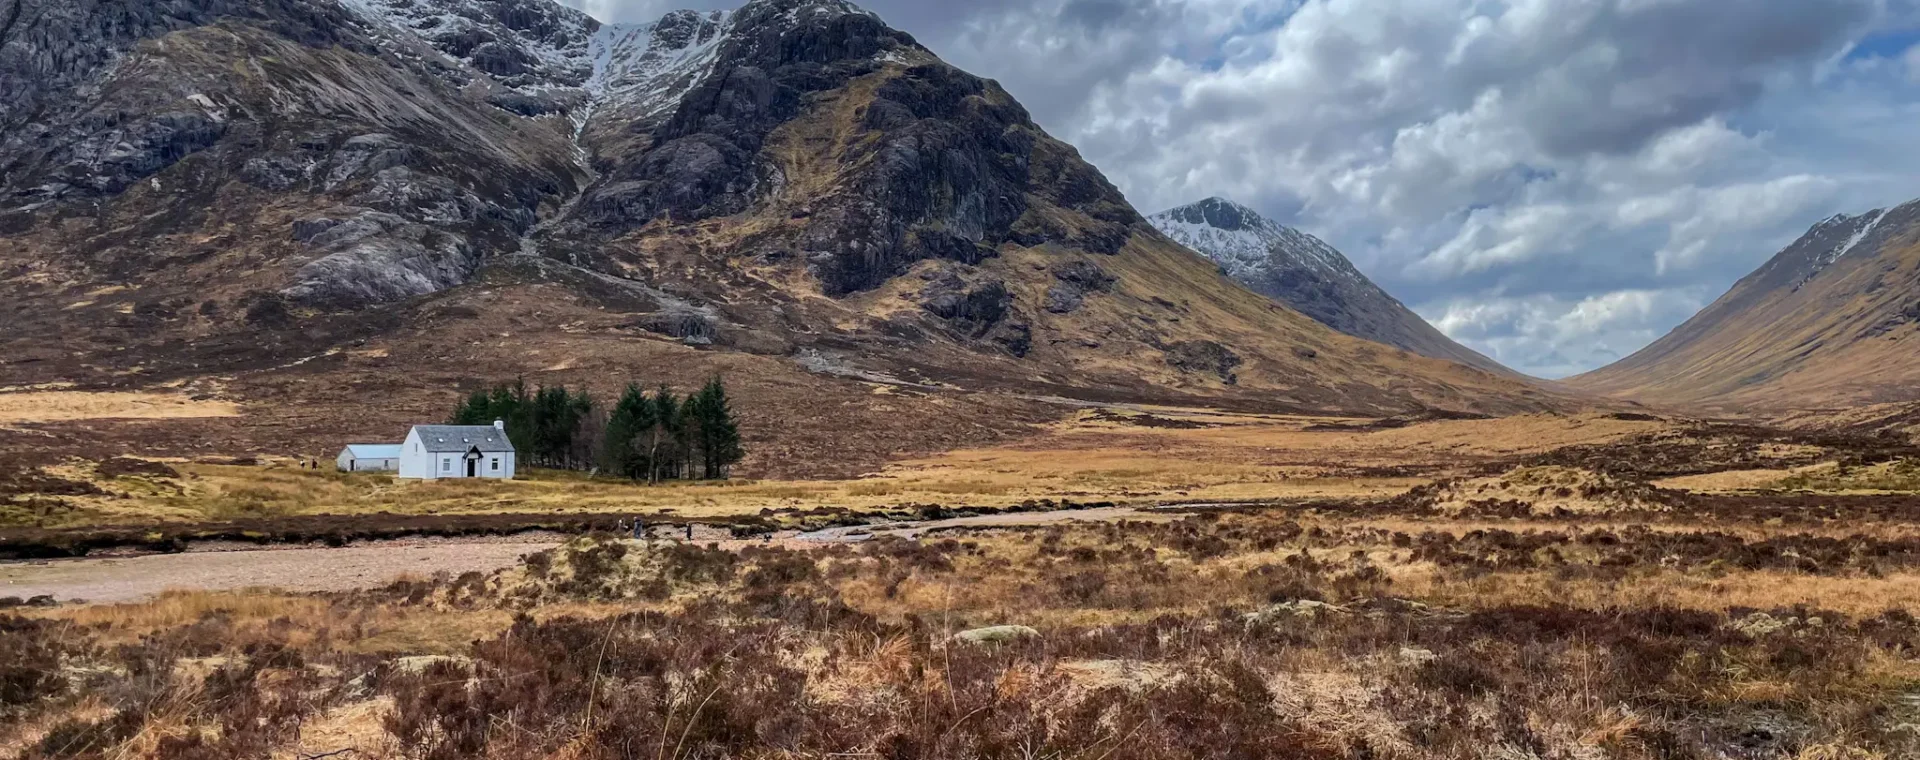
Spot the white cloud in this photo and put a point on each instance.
(1554, 337)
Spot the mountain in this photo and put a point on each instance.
(340, 211)
(1832, 320)
(1303, 272)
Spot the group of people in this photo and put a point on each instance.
(639, 530)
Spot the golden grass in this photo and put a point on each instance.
(428, 632)
(1902, 476)
(1122, 456)
(1728, 481)
(356, 726)
(56, 406)
(1852, 595)
(128, 622)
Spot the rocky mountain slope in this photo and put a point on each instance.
(1303, 272)
(1832, 320)
(279, 200)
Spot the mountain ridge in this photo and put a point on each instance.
(263, 200)
(1308, 275)
(1830, 320)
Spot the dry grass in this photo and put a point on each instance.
(1720, 625)
(1730, 481)
(1765, 590)
(179, 608)
(59, 406)
(1548, 490)
(1403, 636)
(1133, 455)
(1901, 476)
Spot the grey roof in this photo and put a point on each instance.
(461, 438)
(374, 450)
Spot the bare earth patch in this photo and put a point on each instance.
(304, 569)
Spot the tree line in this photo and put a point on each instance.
(644, 436)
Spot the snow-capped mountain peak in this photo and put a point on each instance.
(1246, 244)
(1306, 274)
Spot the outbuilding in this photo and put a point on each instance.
(369, 457)
(433, 452)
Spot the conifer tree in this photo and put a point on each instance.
(628, 424)
(550, 427)
(663, 436)
(473, 411)
(719, 435)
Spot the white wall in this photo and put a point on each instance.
(346, 463)
(497, 465)
(416, 462)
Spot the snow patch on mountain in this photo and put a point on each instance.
(648, 67)
(573, 63)
(1872, 221)
(1247, 245)
(524, 45)
(1306, 274)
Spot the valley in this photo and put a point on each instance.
(993, 465)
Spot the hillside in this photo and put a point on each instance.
(340, 214)
(1833, 320)
(1309, 276)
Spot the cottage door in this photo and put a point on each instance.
(473, 463)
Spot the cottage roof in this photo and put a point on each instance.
(374, 450)
(462, 438)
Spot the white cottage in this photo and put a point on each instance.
(432, 452)
(369, 457)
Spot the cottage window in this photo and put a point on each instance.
(446, 465)
(496, 465)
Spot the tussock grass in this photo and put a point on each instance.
(1266, 633)
(1723, 625)
(1900, 476)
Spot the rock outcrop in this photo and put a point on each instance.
(192, 187)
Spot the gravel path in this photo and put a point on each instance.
(125, 579)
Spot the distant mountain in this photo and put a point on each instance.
(1305, 273)
(1832, 320)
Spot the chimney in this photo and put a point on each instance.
(500, 425)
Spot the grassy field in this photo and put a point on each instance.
(54, 405)
(1268, 632)
(1142, 456)
(1534, 587)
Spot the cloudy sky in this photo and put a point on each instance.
(1553, 182)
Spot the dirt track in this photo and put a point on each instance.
(367, 565)
(123, 579)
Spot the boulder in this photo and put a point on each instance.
(996, 634)
(1297, 608)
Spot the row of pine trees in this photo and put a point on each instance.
(644, 436)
